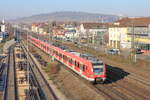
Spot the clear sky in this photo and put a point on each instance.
(20, 8)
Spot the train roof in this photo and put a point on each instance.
(91, 58)
(81, 57)
(86, 56)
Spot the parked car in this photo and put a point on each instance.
(138, 51)
(113, 51)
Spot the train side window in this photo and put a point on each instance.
(78, 65)
(56, 53)
(66, 58)
(59, 55)
(81, 67)
(84, 68)
(49, 49)
(74, 63)
(70, 61)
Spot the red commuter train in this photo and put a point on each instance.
(92, 69)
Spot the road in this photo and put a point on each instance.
(124, 52)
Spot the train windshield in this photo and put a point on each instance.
(98, 69)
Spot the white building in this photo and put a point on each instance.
(118, 37)
(94, 31)
(121, 33)
(70, 34)
(34, 28)
(3, 27)
(70, 31)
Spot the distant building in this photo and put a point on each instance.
(34, 27)
(3, 33)
(2, 26)
(70, 34)
(121, 33)
(94, 32)
(58, 32)
(70, 31)
(40, 28)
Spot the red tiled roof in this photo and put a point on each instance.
(143, 21)
(95, 25)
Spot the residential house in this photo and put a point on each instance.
(34, 27)
(58, 32)
(70, 31)
(40, 28)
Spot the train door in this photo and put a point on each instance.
(77, 66)
(83, 69)
(49, 50)
(60, 56)
(56, 54)
(52, 52)
(70, 62)
(65, 59)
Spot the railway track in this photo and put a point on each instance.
(126, 86)
(133, 76)
(2, 77)
(121, 90)
(114, 91)
(10, 92)
(2, 67)
(106, 91)
(48, 93)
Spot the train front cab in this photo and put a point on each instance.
(99, 71)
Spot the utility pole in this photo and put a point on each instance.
(28, 73)
(133, 52)
(49, 35)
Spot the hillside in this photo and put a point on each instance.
(69, 16)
